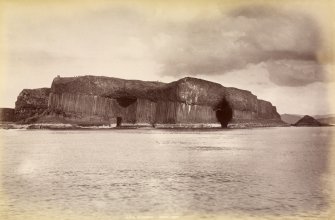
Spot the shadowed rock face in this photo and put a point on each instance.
(7, 114)
(31, 102)
(126, 101)
(105, 100)
(224, 113)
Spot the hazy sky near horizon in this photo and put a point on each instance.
(281, 54)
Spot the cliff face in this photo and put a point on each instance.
(31, 102)
(7, 115)
(201, 97)
(98, 99)
(106, 100)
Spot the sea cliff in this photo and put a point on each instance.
(31, 102)
(99, 100)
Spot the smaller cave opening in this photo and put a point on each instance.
(125, 101)
(118, 121)
(224, 113)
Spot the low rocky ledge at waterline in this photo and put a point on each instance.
(105, 101)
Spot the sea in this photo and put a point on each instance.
(134, 173)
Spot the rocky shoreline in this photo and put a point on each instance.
(60, 126)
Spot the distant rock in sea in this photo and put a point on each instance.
(308, 121)
(329, 120)
(326, 119)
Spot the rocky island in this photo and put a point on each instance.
(309, 121)
(98, 100)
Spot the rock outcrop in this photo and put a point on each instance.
(308, 121)
(31, 103)
(107, 100)
(7, 115)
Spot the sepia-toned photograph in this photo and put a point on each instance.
(152, 109)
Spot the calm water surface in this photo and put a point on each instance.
(277, 171)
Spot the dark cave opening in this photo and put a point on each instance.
(224, 113)
(118, 121)
(125, 101)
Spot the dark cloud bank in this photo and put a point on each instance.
(285, 43)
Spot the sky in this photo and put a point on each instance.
(282, 53)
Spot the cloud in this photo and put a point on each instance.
(286, 42)
(295, 72)
(38, 57)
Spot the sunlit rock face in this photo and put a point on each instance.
(31, 102)
(104, 100)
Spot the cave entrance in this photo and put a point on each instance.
(118, 121)
(224, 113)
(125, 101)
